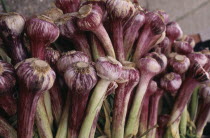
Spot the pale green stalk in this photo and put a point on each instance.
(105, 40)
(133, 116)
(48, 107)
(173, 129)
(182, 99)
(107, 127)
(194, 104)
(63, 124)
(95, 102)
(42, 121)
(183, 123)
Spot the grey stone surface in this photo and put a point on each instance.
(143, 3)
(175, 8)
(192, 15)
(28, 7)
(197, 21)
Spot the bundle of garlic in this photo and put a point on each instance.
(101, 68)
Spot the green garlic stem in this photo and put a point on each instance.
(133, 116)
(194, 104)
(95, 102)
(103, 36)
(48, 107)
(173, 130)
(63, 124)
(183, 123)
(42, 122)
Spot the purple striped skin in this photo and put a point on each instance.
(173, 31)
(182, 47)
(189, 39)
(8, 103)
(90, 19)
(35, 77)
(119, 11)
(165, 46)
(196, 75)
(52, 56)
(97, 48)
(162, 123)
(80, 78)
(199, 75)
(108, 69)
(69, 30)
(144, 116)
(160, 58)
(79, 103)
(121, 102)
(164, 15)
(41, 32)
(27, 100)
(117, 39)
(171, 83)
(149, 66)
(153, 112)
(179, 105)
(56, 100)
(202, 119)
(198, 57)
(69, 58)
(150, 34)
(131, 32)
(178, 63)
(204, 110)
(98, 51)
(11, 34)
(7, 77)
(7, 83)
(102, 5)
